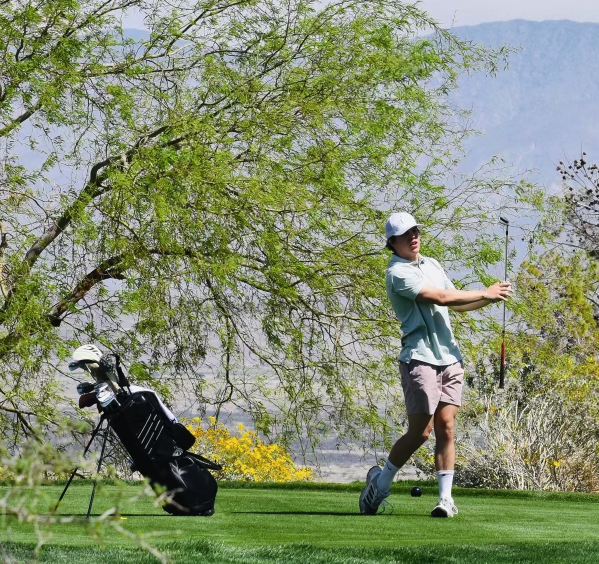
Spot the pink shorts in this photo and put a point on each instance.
(425, 385)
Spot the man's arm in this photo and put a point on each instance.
(465, 300)
(471, 307)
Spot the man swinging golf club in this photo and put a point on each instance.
(430, 362)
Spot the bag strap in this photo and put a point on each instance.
(208, 464)
(123, 380)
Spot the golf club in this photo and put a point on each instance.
(502, 365)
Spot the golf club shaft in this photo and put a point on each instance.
(502, 364)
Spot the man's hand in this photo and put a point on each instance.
(500, 291)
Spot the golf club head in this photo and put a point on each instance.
(85, 388)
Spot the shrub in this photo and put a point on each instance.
(243, 455)
(548, 444)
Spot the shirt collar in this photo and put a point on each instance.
(394, 258)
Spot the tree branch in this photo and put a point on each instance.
(16, 411)
(3, 267)
(114, 268)
(19, 120)
(110, 268)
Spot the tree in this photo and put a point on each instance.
(209, 199)
(580, 205)
(553, 335)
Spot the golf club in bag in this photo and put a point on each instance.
(157, 444)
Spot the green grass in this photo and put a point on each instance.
(320, 523)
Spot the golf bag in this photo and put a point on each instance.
(158, 448)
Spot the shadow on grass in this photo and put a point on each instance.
(331, 513)
(120, 515)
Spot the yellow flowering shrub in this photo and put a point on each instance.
(243, 455)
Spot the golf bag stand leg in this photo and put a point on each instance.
(91, 499)
(95, 432)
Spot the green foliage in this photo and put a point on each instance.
(209, 200)
(552, 335)
(561, 333)
(542, 432)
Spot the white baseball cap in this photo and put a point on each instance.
(398, 223)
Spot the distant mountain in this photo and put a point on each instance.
(545, 105)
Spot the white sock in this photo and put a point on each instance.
(445, 478)
(385, 478)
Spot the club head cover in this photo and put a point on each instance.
(87, 400)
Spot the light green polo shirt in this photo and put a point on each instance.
(426, 330)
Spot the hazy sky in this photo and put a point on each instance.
(472, 12)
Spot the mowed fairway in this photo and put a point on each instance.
(320, 523)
